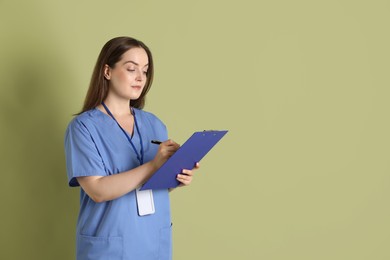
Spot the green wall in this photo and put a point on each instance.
(303, 87)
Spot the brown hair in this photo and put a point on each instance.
(110, 54)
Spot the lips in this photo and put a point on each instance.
(137, 87)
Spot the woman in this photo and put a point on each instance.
(109, 154)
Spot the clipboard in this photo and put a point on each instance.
(191, 152)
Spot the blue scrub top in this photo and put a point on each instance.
(96, 146)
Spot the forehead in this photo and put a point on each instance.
(137, 55)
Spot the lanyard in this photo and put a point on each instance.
(140, 156)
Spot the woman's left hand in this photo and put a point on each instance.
(186, 176)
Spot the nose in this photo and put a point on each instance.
(140, 75)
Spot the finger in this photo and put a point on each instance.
(171, 149)
(168, 150)
(187, 172)
(175, 145)
(170, 142)
(184, 179)
(197, 165)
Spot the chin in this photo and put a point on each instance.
(133, 98)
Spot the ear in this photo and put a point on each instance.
(107, 72)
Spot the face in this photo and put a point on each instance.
(128, 77)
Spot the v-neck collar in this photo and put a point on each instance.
(130, 138)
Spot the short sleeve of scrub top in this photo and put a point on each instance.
(83, 158)
(96, 146)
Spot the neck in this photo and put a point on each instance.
(118, 107)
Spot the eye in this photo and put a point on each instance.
(145, 73)
(132, 70)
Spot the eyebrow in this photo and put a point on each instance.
(135, 63)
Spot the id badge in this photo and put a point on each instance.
(145, 202)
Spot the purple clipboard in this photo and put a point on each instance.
(191, 152)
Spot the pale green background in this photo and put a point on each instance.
(303, 87)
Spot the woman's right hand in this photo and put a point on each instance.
(165, 150)
(106, 188)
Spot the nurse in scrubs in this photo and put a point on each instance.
(110, 155)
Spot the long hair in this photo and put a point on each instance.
(110, 54)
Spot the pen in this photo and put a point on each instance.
(155, 142)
